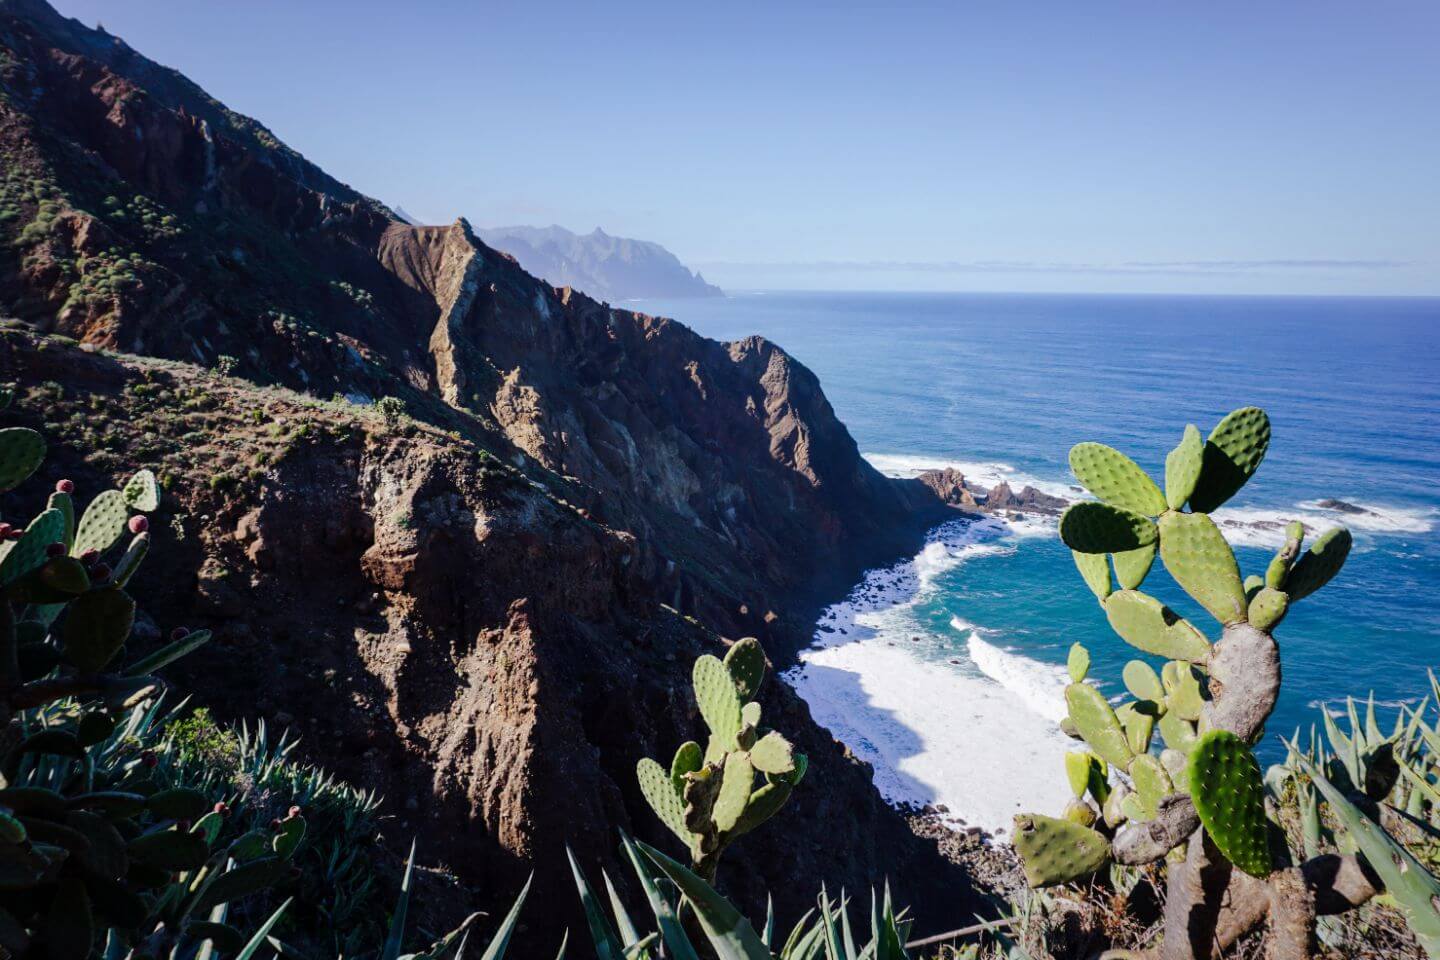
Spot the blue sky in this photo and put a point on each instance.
(1227, 147)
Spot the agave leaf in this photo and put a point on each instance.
(729, 933)
(676, 942)
(1412, 888)
(262, 934)
(396, 933)
(607, 945)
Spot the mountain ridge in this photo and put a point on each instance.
(606, 267)
(522, 562)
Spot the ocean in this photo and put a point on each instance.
(946, 671)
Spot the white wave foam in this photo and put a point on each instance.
(978, 733)
(1244, 526)
(1040, 685)
(1265, 526)
(933, 733)
(984, 474)
(941, 730)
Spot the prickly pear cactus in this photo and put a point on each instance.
(142, 492)
(1229, 795)
(21, 451)
(1267, 608)
(83, 852)
(1232, 455)
(1057, 850)
(1147, 624)
(103, 523)
(1116, 479)
(1142, 681)
(1097, 724)
(744, 774)
(1090, 527)
(1095, 569)
(1182, 468)
(1133, 566)
(1197, 556)
(1319, 564)
(1114, 542)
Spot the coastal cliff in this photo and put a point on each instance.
(485, 609)
(608, 268)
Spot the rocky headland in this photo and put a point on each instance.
(483, 607)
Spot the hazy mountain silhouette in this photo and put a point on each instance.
(605, 267)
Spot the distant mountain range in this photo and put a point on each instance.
(605, 267)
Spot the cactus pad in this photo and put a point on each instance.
(96, 625)
(1229, 795)
(688, 758)
(1182, 467)
(1078, 811)
(1077, 771)
(142, 492)
(764, 804)
(1318, 564)
(1152, 784)
(19, 557)
(736, 781)
(1232, 454)
(1057, 851)
(1184, 690)
(660, 792)
(1095, 570)
(1267, 608)
(1138, 721)
(1197, 556)
(1149, 625)
(130, 560)
(1097, 724)
(719, 702)
(1116, 479)
(1091, 527)
(773, 754)
(1113, 809)
(1078, 662)
(1142, 681)
(1132, 566)
(1279, 570)
(103, 523)
(66, 505)
(21, 451)
(746, 662)
(1177, 732)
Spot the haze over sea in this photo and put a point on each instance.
(946, 672)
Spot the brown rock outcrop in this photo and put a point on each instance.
(487, 613)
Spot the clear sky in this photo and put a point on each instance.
(1273, 146)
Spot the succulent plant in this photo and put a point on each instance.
(81, 859)
(742, 776)
(1202, 800)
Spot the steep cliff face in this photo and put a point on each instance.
(489, 613)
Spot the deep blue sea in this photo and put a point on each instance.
(945, 672)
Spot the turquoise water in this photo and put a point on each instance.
(1007, 383)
